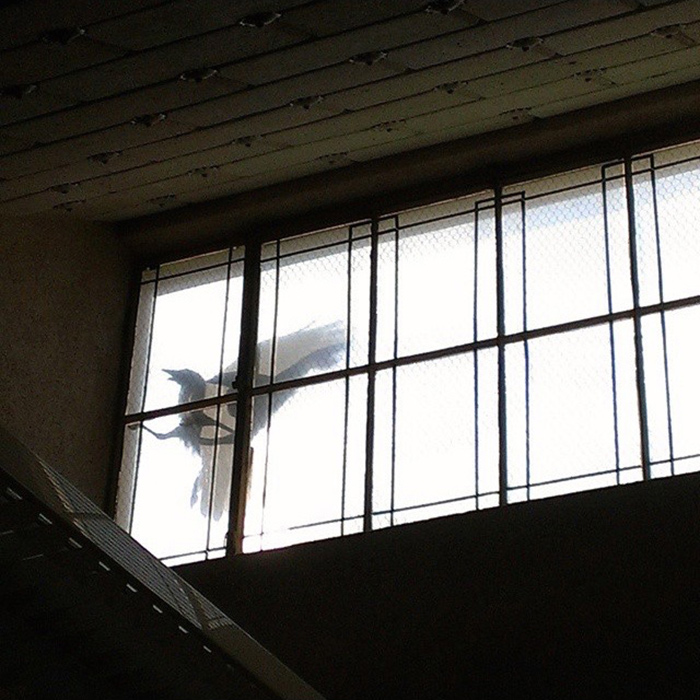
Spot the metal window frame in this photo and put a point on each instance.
(245, 390)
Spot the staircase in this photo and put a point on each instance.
(86, 612)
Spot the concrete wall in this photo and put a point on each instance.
(588, 595)
(63, 300)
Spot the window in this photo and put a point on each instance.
(533, 340)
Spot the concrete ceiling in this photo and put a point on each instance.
(115, 109)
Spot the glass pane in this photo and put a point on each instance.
(232, 329)
(554, 258)
(618, 248)
(437, 283)
(307, 471)
(181, 490)
(656, 388)
(387, 307)
(436, 438)
(185, 335)
(309, 303)
(571, 406)
(678, 197)
(683, 341)
(647, 241)
(446, 209)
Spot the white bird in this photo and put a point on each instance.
(311, 349)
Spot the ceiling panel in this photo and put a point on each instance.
(13, 109)
(322, 19)
(171, 21)
(640, 56)
(89, 118)
(626, 27)
(36, 62)
(9, 145)
(617, 92)
(87, 177)
(650, 68)
(60, 153)
(489, 10)
(385, 117)
(313, 55)
(515, 105)
(282, 93)
(103, 114)
(413, 82)
(523, 77)
(436, 131)
(493, 35)
(623, 52)
(168, 62)
(428, 77)
(25, 21)
(276, 120)
(204, 143)
(32, 184)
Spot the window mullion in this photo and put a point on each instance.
(371, 373)
(143, 399)
(604, 179)
(500, 333)
(637, 319)
(662, 315)
(244, 385)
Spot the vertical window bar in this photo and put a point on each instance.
(393, 371)
(608, 271)
(526, 349)
(348, 332)
(225, 324)
(215, 451)
(273, 357)
(657, 233)
(143, 398)
(212, 478)
(371, 373)
(475, 321)
(639, 352)
(500, 332)
(244, 384)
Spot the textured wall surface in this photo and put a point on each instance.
(63, 299)
(589, 595)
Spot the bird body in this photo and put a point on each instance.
(311, 349)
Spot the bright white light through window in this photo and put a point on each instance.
(382, 387)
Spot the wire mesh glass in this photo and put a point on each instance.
(306, 478)
(436, 283)
(556, 257)
(179, 469)
(677, 197)
(435, 438)
(673, 387)
(594, 391)
(571, 411)
(314, 307)
(186, 337)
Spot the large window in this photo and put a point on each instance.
(528, 341)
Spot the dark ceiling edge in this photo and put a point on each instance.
(586, 136)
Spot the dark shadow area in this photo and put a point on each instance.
(592, 595)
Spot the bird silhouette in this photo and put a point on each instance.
(311, 349)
